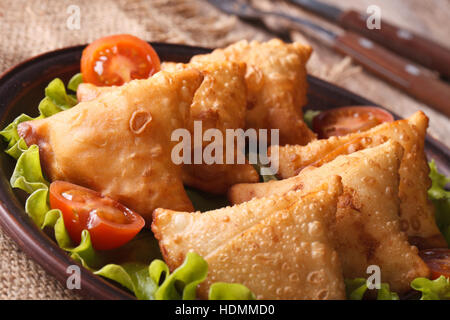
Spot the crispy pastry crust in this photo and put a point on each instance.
(219, 103)
(276, 83)
(119, 144)
(416, 211)
(368, 229)
(279, 247)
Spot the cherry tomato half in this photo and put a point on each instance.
(117, 59)
(345, 120)
(109, 223)
(438, 260)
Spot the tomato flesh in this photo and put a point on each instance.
(110, 224)
(438, 260)
(345, 120)
(118, 59)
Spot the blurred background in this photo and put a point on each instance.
(30, 27)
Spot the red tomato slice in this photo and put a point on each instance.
(345, 120)
(117, 59)
(438, 260)
(109, 223)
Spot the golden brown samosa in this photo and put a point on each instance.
(368, 229)
(89, 91)
(119, 144)
(278, 247)
(219, 103)
(276, 83)
(416, 211)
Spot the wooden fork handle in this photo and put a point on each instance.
(401, 41)
(396, 70)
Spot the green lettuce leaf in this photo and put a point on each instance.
(385, 293)
(38, 209)
(356, 289)
(438, 289)
(57, 94)
(438, 182)
(56, 97)
(308, 117)
(182, 283)
(266, 177)
(27, 174)
(441, 200)
(229, 291)
(159, 271)
(74, 82)
(47, 108)
(132, 274)
(205, 202)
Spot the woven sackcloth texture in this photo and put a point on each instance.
(31, 27)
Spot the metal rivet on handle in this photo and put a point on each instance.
(404, 34)
(412, 69)
(366, 43)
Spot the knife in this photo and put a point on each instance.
(373, 57)
(404, 42)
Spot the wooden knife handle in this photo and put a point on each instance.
(396, 70)
(407, 44)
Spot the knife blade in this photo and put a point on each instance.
(244, 11)
(380, 61)
(404, 42)
(324, 10)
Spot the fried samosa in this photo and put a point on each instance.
(219, 103)
(276, 83)
(416, 211)
(278, 247)
(368, 229)
(119, 144)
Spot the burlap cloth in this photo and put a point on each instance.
(30, 27)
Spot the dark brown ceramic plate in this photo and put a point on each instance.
(21, 89)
